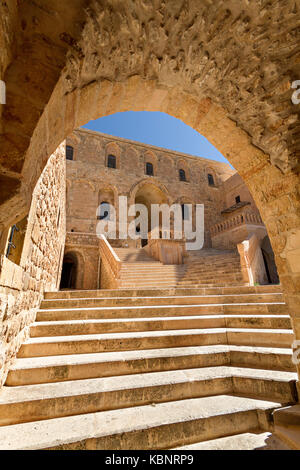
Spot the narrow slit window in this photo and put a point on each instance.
(111, 161)
(149, 169)
(182, 176)
(211, 181)
(69, 152)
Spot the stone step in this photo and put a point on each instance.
(141, 283)
(85, 344)
(245, 441)
(289, 435)
(38, 370)
(277, 338)
(81, 327)
(94, 343)
(147, 283)
(37, 402)
(166, 300)
(242, 289)
(167, 277)
(159, 426)
(143, 264)
(133, 269)
(174, 285)
(287, 425)
(214, 278)
(89, 313)
(213, 274)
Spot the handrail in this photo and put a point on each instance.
(107, 251)
(240, 219)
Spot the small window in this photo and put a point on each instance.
(182, 176)
(69, 152)
(104, 211)
(111, 161)
(185, 212)
(149, 169)
(211, 181)
(237, 199)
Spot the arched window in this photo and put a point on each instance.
(149, 169)
(104, 211)
(211, 181)
(69, 152)
(111, 161)
(182, 176)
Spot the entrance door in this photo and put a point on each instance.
(69, 271)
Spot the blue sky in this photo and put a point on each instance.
(158, 129)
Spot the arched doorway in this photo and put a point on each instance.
(148, 194)
(69, 272)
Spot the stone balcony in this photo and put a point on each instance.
(228, 233)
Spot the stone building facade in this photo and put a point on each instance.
(86, 59)
(100, 168)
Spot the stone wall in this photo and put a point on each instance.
(90, 182)
(187, 60)
(233, 187)
(85, 251)
(22, 286)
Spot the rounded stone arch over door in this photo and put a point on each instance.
(98, 80)
(147, 181)
(182, 201)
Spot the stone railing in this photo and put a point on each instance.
(110, 259)
(240, 219)
(252, 263)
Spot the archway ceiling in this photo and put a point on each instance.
(35, 37)
(150, 194)
(240, 55)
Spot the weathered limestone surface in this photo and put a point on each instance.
(88, 176)
(22, 286)
(223, 68)
(239, 55)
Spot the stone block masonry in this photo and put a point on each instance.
(22, 286)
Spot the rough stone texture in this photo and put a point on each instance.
(224, 69)
(190, 46)
(22, 286)
(85, 248)
(34, 40)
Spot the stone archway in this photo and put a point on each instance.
(194, 79)
(148, 193)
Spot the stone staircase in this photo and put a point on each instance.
(205, 267)
(151, 369)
